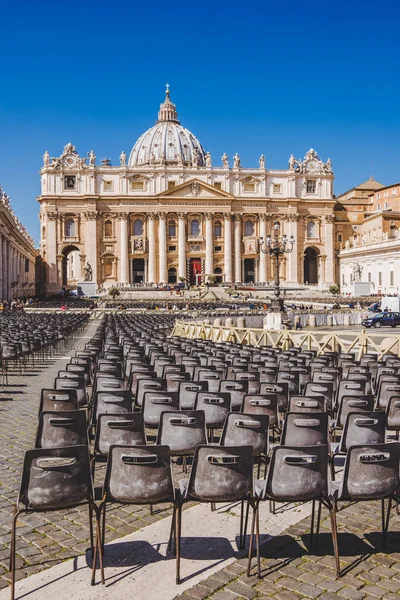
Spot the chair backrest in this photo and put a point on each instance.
(281, 390)
(147, 385)
(54, 478)
(139, 475)
(246, 430)
(174, 379)
(291, 379)
(370, 472)
(393, 413)
(155, 403)
(308, 404)
(387, 389)
(302, 429)
(253, 381)
(366, 427)
(72, 384)
(136, 376)
(350, 388)
(221, 473)
(80, 370)
(216, 406)
(110, 367)
(58, 400)
(237, 390)
(267, 374)
(115, 402)
(60, 429)
(118, 429)
(212, 377)
(321, 389)
(188, 391)
(182, 431)
(110, 385)
(353, 404)
(298, 473)
(262, 404)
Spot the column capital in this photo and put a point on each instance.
(123, 216)
(90, 215)
(162, 216)
(208, 216)
(150, 216)
(329, 218)
(227, 216)
(52, 216)
(181, 216)
(237, 217)
(263, 216)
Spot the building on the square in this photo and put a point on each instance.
(18, 255)
(373, 253)
(168, 212)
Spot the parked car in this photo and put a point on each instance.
(382, 319)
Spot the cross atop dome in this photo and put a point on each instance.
(167, 110)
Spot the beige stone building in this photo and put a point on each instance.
(17, 254)
(167, 213)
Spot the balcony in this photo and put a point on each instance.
(195, 238)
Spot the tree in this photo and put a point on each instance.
(113, 291)
(334, 289)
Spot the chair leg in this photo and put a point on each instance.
(91, 529)
(12, 552)
(172, 530)
(332, 511)
(251, 544)
(256, 508)
(318, 524)
(312, 522)
(103, 527)
(178, 535)
(98, 550)
(385, 522)
(241, 524)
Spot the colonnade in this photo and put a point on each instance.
(12, 270)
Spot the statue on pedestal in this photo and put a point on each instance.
(225, 160)
(236, 161)
(122, 159)
(87, 269)
(261, 161)
(92, 158)
(357, 272)
(208, 159)
(46, 159)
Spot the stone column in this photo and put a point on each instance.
(10, 270)
(322, 270)
(262, 273)
(238, 249)
(181, 245)
(152, 249)
(228, 247)
(1, 267)
(51, 252)
(293, 259)
(91, 242)
(162, 247)
(123, 275)
(4, 287)
(329, 250)
(209, 264)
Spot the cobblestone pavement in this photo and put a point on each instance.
(45, 539)
(290, 570)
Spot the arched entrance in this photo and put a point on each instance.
(249, 270)
(138, 270)
(71, 266)
(311, 266)
(218, 275)
(194, 269)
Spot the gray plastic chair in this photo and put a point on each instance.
(188, 391)
(303, 429)
(155, 403)
(58, 400)
(117, 429)
(182, 431)
(237, 390)
(61, 429)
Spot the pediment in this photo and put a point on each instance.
(195, 189)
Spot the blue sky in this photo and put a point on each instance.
(248, 77)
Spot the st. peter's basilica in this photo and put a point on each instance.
(169, 213)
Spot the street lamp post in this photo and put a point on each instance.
(277, 246)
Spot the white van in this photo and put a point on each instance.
(392, 303)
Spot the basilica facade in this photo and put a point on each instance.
(168, 213)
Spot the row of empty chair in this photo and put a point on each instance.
(141, 400)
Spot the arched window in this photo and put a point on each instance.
(311, 229)
(108, 228)
(218, 274)
(43, 232)
(172, 275)
(194, 227)
(138, 227)
(172, 229)
(248, 228)
(70, 229)
(217, 229)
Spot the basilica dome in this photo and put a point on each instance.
(167, 142)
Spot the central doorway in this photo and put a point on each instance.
(194, 269)
(311, 266)
(249, 272)
(138, 270)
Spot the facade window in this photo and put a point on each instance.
(171, 248)
(194, 227)
(391, 277)
(70, 228)
(172, 229)
(249, 187)
(380, 278)
(171, 185)
(108, 268)
(69, 182)
(138, 227)
(385, 194)
(311, 229)
(27, 265)
(217, 229)
(108, 186)
(369, 277)
(339, 237)
(277, 188)
(43, 232)
(217, 248)
(394, 192)
(378, 207)
(343, 279)
(311, 185)
(137, 185)
(386, 204)
(108, 228)
(218, 185)
(378, 196)
(248, 228)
